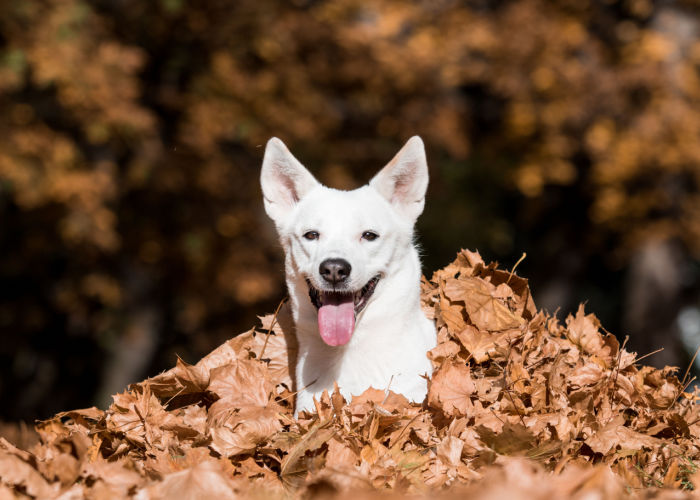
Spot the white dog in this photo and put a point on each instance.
(353, 275)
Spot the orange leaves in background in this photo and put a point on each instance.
(533, 408)
(576, 97)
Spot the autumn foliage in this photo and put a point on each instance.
(131, 136)
(519, 404)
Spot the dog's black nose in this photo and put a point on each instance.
(335, 271)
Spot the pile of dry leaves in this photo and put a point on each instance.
(519, 405)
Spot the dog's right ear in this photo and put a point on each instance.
(284, 180)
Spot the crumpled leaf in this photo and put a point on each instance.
(485, 310)
(513, 439)
(449, 451)
(17, 473)
(293, 466)
(239, 384)
(118, 477)
(615, 434)
(205, 480)
(483, 345)
(583, 330)
(451, 389)
(243, 431)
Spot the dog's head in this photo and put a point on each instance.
(343, 243)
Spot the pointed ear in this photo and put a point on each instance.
(404, 180)
(284, 180)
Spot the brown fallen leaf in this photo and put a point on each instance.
(293, 466)
(451, 389)
(17, 473)
(513, 439)
(588, 374)
(615, 434)
(118, 477)
(205, 480)
(243, 430)
(449, 451)
(483, 345)
(451, 315)
(242, 383)
(485, 311)
(340, 454)
(443, 351)
(583, 330)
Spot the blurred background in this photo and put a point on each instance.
(131, 221)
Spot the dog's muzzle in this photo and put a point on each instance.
(338, 310)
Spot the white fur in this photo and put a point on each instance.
(392, 335)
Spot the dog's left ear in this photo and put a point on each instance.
(404, 180)
(284, 180)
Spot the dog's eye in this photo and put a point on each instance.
(369, 235)
(311, 235)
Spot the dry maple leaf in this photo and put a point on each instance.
(341, 453)
(443, 351)
(243, 430)
(451, 315)
(513, 439)
(451, 389)
(293, 466)
(239, 384)
(118, 477)
(483, 345)
(205, 480)
(449, 451)
(485, 311)
(583, 330)
(385, 402)
(139, 415)
(588, 374)
(615, 434)
(15, 472)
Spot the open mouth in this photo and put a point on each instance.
(337, 310)
(360, 297)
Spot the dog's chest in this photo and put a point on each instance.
(394, 362)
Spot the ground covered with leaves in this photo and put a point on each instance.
(519, 404)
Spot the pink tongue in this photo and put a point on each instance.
(336, 318)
